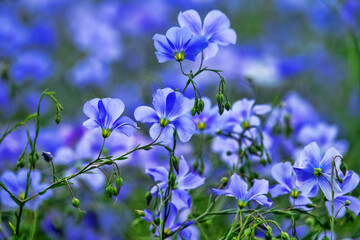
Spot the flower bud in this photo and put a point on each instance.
(109, 191)
(119, 181)
(106, 133)
(47, 156)
(193, 111)
(263, 162)
(221, 110)
(227, 105)
(201, 105)
(284, 236)
(108, 162)
(224, 180)
(268, 234)
(57, 118)
(75, 202)
(20, 163)
(219, 98)
(252, 150)
(148, 197)
(325, 238)
(172, 181)
(140, 213)
(347, 203)
(195, 165)
(147, 148)
(175, 162)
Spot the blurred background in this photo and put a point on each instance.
(85, 49)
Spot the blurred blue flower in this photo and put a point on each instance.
(34, 65)
(178, 44)
(350, 181)
(284, 174)
(216, 29)
(238, 189)
(172, 112)
(90, 71)
(106, 113)
(16, 183)
(209, 120)
(311, 170)
(184, 181)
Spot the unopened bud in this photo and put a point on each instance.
(325, 238)
(247, 232)
(109, 191)
(75, 202)
(193, 111)
(175, 162)
(252, 150)
(221, 110)
(268, 234)
(284, 236)
(224, 180)
(148, 197)
(140, 213)
(347, 203)
(172, 180)
(195, 165)
(227, 105)
(263, 162)
(201, 105)
(47, 156)
(119, 181)
(219, 98)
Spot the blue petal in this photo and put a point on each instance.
(179, 37)
(125, 125)
(225, 37)
(162, 45)
(261, 109)
(354, 203)
(237, 186)
(191, 181)
(263, 200)
(337, 205)
(181, 199)
(102, 117)
(308, 185)
(114, 108)
(162, 57)
(214, 22)
(326, 188)
(177, 105)
(195, 46)
(304, 174)
(166, 133)
(278, 190)
(159, 174)
(159, 101)
(90, 124)
(146, 115)
(90, 108)
(260, 187)
(301, 202)
(310, 156)
(350, 182)
(326, 161)
(192, 20)
(283, 174)
(210, 51)
(183, 167)
(185, 128)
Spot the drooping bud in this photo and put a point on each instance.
(119, 181)
(252, 150)
(148, 197)
(221, 110)
(47, 156)
(219, 98)
(193, 111)
(75, 202)
(201, 105)
(263, 162)
(175, 162)
(109, 191)
(227, 105)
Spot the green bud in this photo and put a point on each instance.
(310, 221)
(325, 238)
(108, 162)
(252, 150)
(268, 234)
(114, 191)
(221, 110)
(339, 180)
(175, 161)
(347, 203)
(247, 232)
(201, 105)
(140, 213)
(109, 191)
(193, 111)
(227, 105)
(219, 98)
(195, 165)
(147, 148)
(57, 118)
(119, 181)
(224, 180)
(20, 163)
(343, 167)
(75, 202)
(284, 236)
(172, 180)
(263, 162)
(148, 197)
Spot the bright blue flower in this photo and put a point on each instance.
(284, 174)
(16, 183)
(350, 181)
(106, 113)
(178, 44)
(216, 29)
(172, 111)
(238, 189)
(312, 170)
(34, 65)
(184, 181)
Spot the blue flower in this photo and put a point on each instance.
(350, 181)
(178, 44)
(17, 185)
(106, 113)
(284, 174)
(312, 170)
(216, 29)
(184, 181)
(208, 121)
(90, 71)
(238, 188)
(172, 111)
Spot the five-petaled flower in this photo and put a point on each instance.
(172, 111)
(106, 113)
(238, 188)
(178, 44)
(311, 170)
(216, 29)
